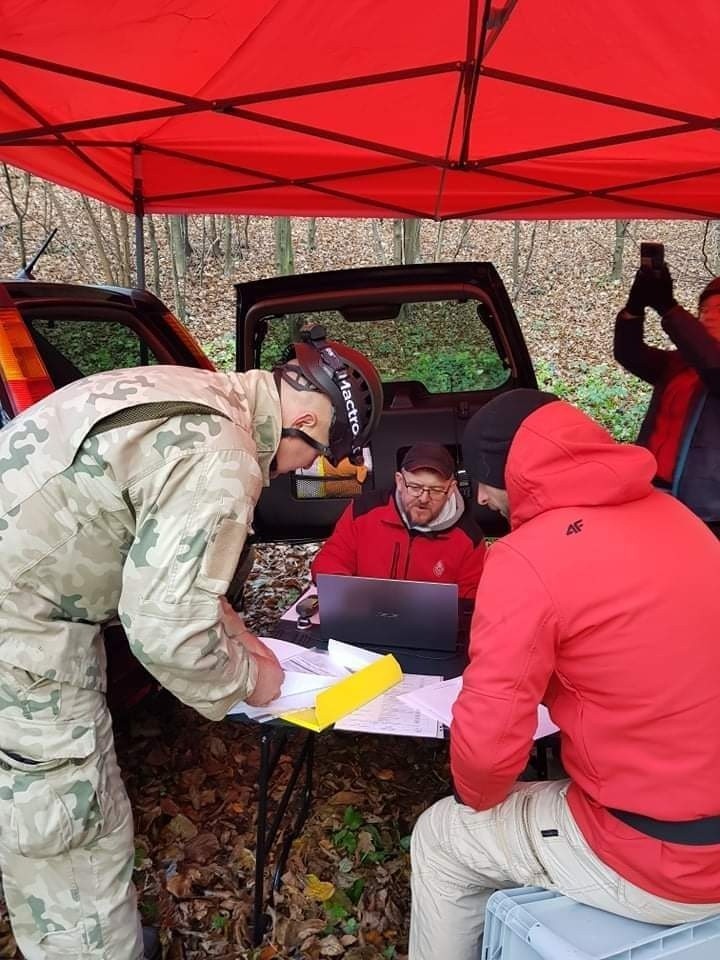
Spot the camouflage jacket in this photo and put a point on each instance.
(144, 521)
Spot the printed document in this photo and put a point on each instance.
(389, 714)
(436, 701)
(306, 672)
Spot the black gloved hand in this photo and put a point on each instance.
(651, 288)
(638, 297)
(660, 292)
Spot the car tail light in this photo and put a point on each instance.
(188, 340)
(23, 373)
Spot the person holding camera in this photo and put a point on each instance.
(682, 424)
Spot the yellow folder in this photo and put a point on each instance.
(348, 694)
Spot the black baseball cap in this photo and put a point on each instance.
(429, 456)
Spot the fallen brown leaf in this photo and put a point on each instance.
(330, 946)
(181, 884)
(182, 827)
(348, 798)
(202, 848)
(168, 806)
(316, 889)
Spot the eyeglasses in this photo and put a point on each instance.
(418, 489)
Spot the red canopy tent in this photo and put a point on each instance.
(461, 108)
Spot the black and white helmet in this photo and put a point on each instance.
(351, 383)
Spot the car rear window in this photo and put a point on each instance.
(444, 345)
(72, 348)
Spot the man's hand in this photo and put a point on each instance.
(269, 678)
(651, 288)
(270, 674)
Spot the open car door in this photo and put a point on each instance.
(445, 340)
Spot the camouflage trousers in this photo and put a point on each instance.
(66, 830)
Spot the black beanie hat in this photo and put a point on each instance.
(711, 290)
(489, 433)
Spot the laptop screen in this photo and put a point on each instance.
(388, 613)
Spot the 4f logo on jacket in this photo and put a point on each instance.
(574, 527)
(439, 568)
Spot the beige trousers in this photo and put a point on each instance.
(66, 829)
(460, 857)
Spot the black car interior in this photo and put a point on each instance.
(429, 393)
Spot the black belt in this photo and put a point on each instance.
(692, 833)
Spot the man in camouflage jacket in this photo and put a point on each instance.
(128, 494)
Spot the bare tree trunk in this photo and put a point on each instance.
(214, 238)
(528, 259)
(467, 229)
(185, 230)
(244, 244)
(123, 278)
(517, 232)
(397, 241)
(176, 231)
(411, 240)
(66, 231)
(127, 257)
(284, 255)
(99, 244)
(19, 205)
(178, 262)
(380, 255)
(438, 241)
(621, 227)
(227, 245)
(203, 245)
(154, 255)
(47, 206)
(312, 233)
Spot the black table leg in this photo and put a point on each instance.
(272, 743)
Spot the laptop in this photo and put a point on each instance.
(388, 614)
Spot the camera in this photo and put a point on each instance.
(652, 257)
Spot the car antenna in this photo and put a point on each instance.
(26, 272)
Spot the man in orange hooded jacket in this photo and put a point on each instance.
(603, 604)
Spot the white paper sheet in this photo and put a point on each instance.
(436, 701)
(351, 657)
(306, 672)
(389, 713)
(291, 612)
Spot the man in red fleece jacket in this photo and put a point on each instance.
(603, 604)
(418, 531)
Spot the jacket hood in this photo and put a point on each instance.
(559, 457)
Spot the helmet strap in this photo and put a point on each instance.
(321, 448)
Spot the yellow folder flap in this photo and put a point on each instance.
(348, 694)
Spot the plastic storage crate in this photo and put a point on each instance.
(533, 924)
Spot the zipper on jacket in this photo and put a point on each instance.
(411, 540)
(394, 564)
